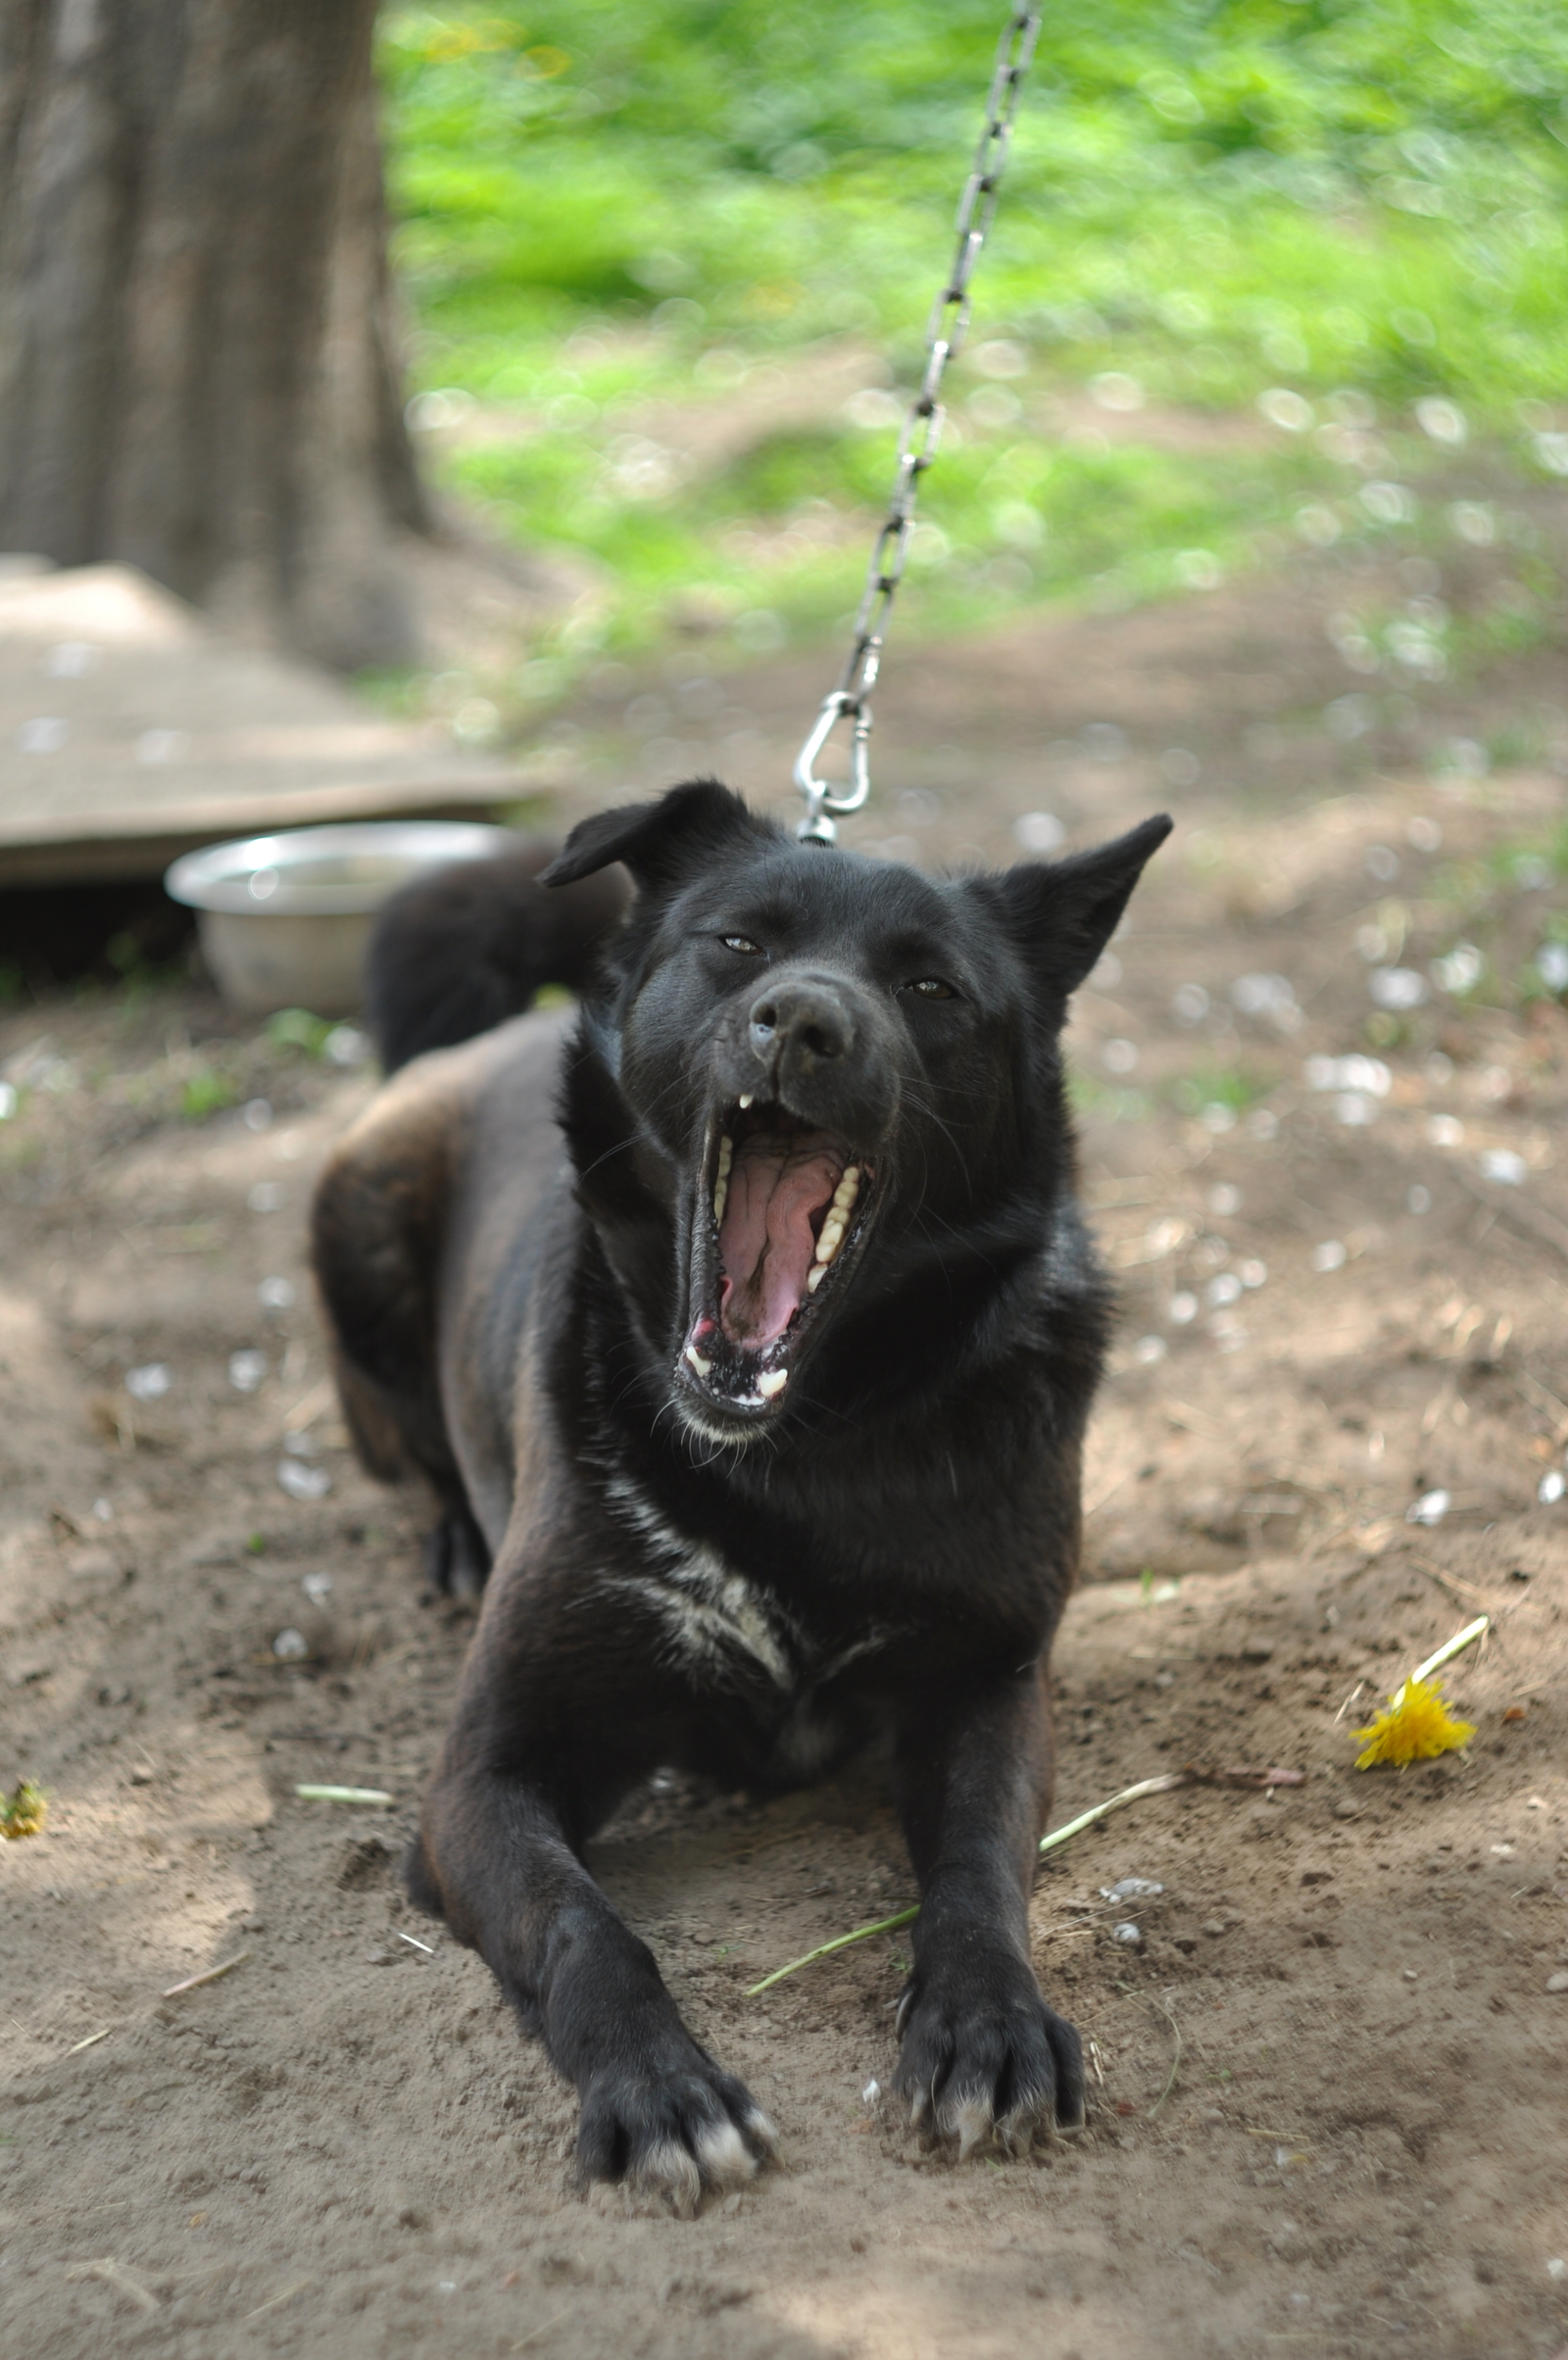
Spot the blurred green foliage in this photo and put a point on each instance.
(297, 1028)
(1360, 202)
(207, 1091)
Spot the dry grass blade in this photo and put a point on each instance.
(273, 2300)
(114, 2274)
(523, 2343)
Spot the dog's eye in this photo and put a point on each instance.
(932, 987)
(744, 943)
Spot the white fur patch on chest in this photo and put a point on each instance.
(711, 1612)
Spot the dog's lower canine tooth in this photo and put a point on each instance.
(702, 1366)
(773, 1383)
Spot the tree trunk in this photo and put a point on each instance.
(198, 370)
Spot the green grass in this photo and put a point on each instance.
(611, 202)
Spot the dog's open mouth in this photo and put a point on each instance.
(781, 1215)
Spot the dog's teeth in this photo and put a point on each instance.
(703, 1367)
(726, 1156)
(847, 1188)
(745, 1100)
(815, 1275)
(720, 1199)
(773, 1383)
(832, 1237)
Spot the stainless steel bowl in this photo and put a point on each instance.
(285, 920)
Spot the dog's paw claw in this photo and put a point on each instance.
(723, 2157)
(669, 2171)
(989, 2065)
(672, 2135)
(971, 2121)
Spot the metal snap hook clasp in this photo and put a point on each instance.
(821, 796)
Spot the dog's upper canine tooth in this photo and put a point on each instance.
(702, 1366)
(773, 1383)
(745, 1100)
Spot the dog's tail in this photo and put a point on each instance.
(454, 953)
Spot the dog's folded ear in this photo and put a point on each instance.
(1061, 913)
(659, 841)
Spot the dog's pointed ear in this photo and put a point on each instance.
(659, 842)
(1061, 913)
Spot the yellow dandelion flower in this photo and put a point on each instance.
(21, 1812)
(1415, 1725)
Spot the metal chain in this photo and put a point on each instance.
(919, 444)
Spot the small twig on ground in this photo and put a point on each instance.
(91, 2042)
(414, 1943)
(1543, 1400)
(309, 1407)
(193, 1983)
(1465, 1591)
(1093, 1507)
(1176, 2057)
(1539, 1223)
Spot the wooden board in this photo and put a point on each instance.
(131, 731)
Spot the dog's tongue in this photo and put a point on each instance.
(776, 1184)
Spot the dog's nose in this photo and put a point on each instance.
(800, 1024)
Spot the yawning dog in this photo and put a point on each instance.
(746, 1327)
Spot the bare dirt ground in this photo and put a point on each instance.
(1330, 2079)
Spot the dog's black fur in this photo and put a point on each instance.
(454, 954)
(720, 1542)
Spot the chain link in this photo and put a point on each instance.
(919, 444)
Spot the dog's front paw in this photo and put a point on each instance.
(673, 2129)
(981, 2055)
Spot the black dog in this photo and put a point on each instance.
(769, 1408)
